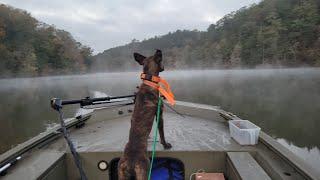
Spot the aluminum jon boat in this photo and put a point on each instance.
(200, 140)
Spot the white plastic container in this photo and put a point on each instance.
(244, 132)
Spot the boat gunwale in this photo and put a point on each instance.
(284, 153)
(41, 138)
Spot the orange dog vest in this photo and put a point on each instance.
(160, 84)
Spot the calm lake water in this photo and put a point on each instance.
(285, 103)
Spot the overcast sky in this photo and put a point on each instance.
(102, 24)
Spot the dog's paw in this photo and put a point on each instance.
(167, 146)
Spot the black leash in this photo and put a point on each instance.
(58, 106)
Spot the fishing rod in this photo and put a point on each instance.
(3, 169)
(57, 103)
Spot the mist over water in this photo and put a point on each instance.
(285, 103)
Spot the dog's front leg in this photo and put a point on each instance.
(161, 131)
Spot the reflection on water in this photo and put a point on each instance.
(312, 156)
(25, 108)
(285, 103)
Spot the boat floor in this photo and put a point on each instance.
(184, 133)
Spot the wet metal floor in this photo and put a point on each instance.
(185, 134)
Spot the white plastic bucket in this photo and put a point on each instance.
(244, 132)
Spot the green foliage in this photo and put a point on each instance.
(273, 32)
(29, 47)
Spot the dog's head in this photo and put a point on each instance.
(151, 65)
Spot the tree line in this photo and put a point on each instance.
(277, 33)
(32, 48)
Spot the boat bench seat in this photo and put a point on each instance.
(241, 165)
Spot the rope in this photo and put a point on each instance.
(174, 110)
(155, 136)
(71, 146)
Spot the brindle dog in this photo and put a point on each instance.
(135, 162)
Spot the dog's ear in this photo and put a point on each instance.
(158, 55)
(139, 58)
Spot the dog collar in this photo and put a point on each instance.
(159, 84)
(148, 77)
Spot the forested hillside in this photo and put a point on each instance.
(31, 48)
(279, 33)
